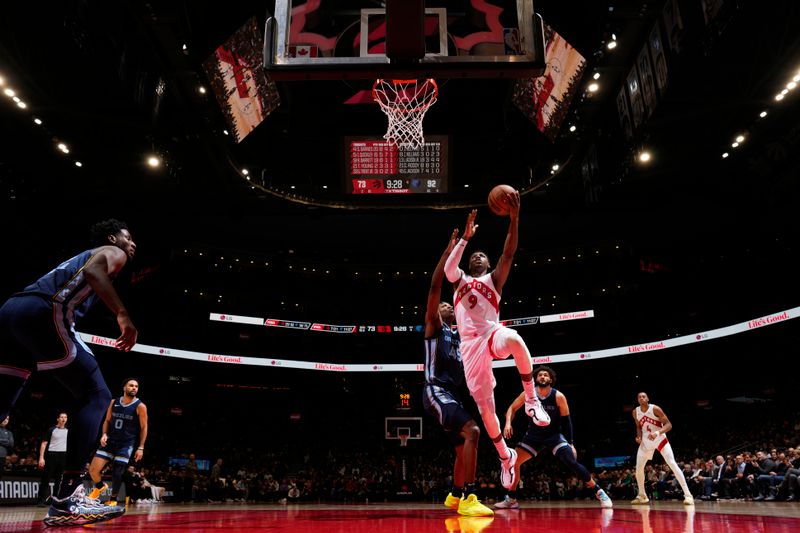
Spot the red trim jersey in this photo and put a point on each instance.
(477, 306)
(650, 424)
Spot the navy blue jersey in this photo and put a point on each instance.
(66, 287)
(551, 407)
(443, 366)
(124, 421)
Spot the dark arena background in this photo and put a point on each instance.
(282, 268)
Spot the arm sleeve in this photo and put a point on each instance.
(566, 427)
(451, 269)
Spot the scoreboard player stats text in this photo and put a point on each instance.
(374, 166)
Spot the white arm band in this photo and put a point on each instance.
(451, 269)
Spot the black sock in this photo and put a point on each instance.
(457, 492)
(512, 494)
(470, 488)
(99, 484)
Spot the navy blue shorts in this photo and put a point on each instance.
(445, 406)
(35, 337)
(117, 451)
(534, 444)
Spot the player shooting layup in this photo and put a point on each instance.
(483, 338)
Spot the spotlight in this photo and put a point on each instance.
(78, 164)
(734, 145)
(596, 76)
(202, 89)
(740, 138)
(245, 172)
(779, 97)
(22, 105)
(573, 128)
(791, 85)
(593, 87)
(644, 156)
(153, 161)
(725, 155)
(37, 121)
(556, 166)
(611, 45)
(9, 92)
(63, 147)
(762, 114)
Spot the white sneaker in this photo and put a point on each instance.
(534, 409)
(507, 503)
(638, 500)
(688, 500)
(605, 501)
(507, 469)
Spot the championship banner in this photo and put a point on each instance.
(635, 93)
(624, 113)
(243, 92)
(646, 77)
(673, 25)
(545, 100)
(659, 59)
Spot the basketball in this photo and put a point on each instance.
(497, 199)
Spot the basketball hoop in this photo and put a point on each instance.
(405, 102)
(403, 440)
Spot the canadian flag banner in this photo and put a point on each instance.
(305, 50)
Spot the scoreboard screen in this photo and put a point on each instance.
(374, 166)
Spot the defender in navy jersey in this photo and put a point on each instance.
(444, 376)
(555, 438)
(37, 333)
(124, 428)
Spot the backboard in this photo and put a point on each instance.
(350, 39)
(408, 426)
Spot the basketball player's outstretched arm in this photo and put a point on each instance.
(107, 261)
(433, 320)
(451, 269)
(519, 401)
(666, 425)
(500, 273)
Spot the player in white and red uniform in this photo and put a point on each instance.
(651, 428)
(483, 338)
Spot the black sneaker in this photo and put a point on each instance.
(78, 509)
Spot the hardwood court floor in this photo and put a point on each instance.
(567, 517)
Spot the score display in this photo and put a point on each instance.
(374, 166)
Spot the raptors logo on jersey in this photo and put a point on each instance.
(477, 305)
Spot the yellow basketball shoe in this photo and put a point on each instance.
(471, 506)
(452, 501)
(474, 524)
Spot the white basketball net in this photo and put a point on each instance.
(405, 103)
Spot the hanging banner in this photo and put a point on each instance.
(659, 59)
(635, 94)
(243, 92)
(545, 100)
(673, 25)
(646, 77)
